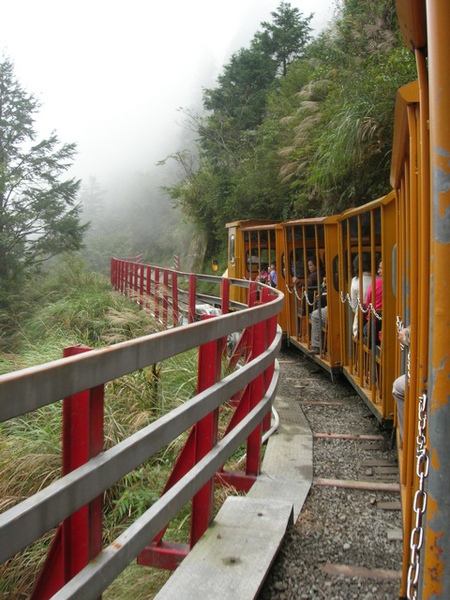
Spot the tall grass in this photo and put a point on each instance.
(75, 306)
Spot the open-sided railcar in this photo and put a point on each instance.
(315, 240)
(368, 330)
(409, 229)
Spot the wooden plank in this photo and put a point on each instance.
(378, 462)
(385, 470)
(357, 485)
(349, 436)
(318, 403)
(389, 505)
(287, 469)
(363, 572)
(233, 557)
(395, 534)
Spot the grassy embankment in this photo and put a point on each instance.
(75, 306)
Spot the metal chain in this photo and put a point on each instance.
(372, 309)
(347, 298)
(305, 295)
(420, 501)
(361, 306)
(300, 298)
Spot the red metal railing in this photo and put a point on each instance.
(75, 565)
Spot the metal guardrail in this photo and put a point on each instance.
(29, 389)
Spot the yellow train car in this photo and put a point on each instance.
(412, 287)
(310, 269)
(367, 307)
(358, 333)
(412, 181)
(253, 245)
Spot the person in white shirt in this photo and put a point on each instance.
(359, 286)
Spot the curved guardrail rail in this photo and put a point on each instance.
(86, 371)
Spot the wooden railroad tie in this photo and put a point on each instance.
(363, 572)
(357, 485)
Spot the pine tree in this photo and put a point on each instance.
(38, 214)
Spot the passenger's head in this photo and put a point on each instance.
(312, 264)
(355, 265)
(365, 263)
(366, 266)
(380, 268)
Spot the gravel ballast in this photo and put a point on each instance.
(346, 543)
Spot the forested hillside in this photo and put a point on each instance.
(297, 126)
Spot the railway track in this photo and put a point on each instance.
(347, 541)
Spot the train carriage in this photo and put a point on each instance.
(366, 251)
(408, 229)
(410, 178)
(253, 244)
(312, 243)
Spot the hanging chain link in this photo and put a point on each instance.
(305, 296)
(420, 501)
(400, 325)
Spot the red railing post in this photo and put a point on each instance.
(148, 286)
(120, 275)
(79, 537)
(175, 309)
(125, 279)
(271, 330)
(209, 369)
(256, 393)
(225, 295)
(136, 268)
(191, 298)
(156, 293)
(112, 268)
(141, 285)
(165, 293)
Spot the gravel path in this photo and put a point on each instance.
(346, 543)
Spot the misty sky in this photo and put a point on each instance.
(110, 76)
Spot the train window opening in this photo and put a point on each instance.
(335, 267)
(232, 248)
(253, 264)
(296, 263)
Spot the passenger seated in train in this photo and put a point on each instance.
(319, 318)
(273, 274)
(376, 300)
(355, 286)
(311, 282)
(263, 277)
(399, 385)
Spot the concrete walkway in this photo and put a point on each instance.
(234, 555)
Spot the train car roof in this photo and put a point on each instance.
(247, 223)
(368, 206)
(408, 94)
(270, 225)
(412, 20)
(310, 221)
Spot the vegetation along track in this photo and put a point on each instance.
(346, 542)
